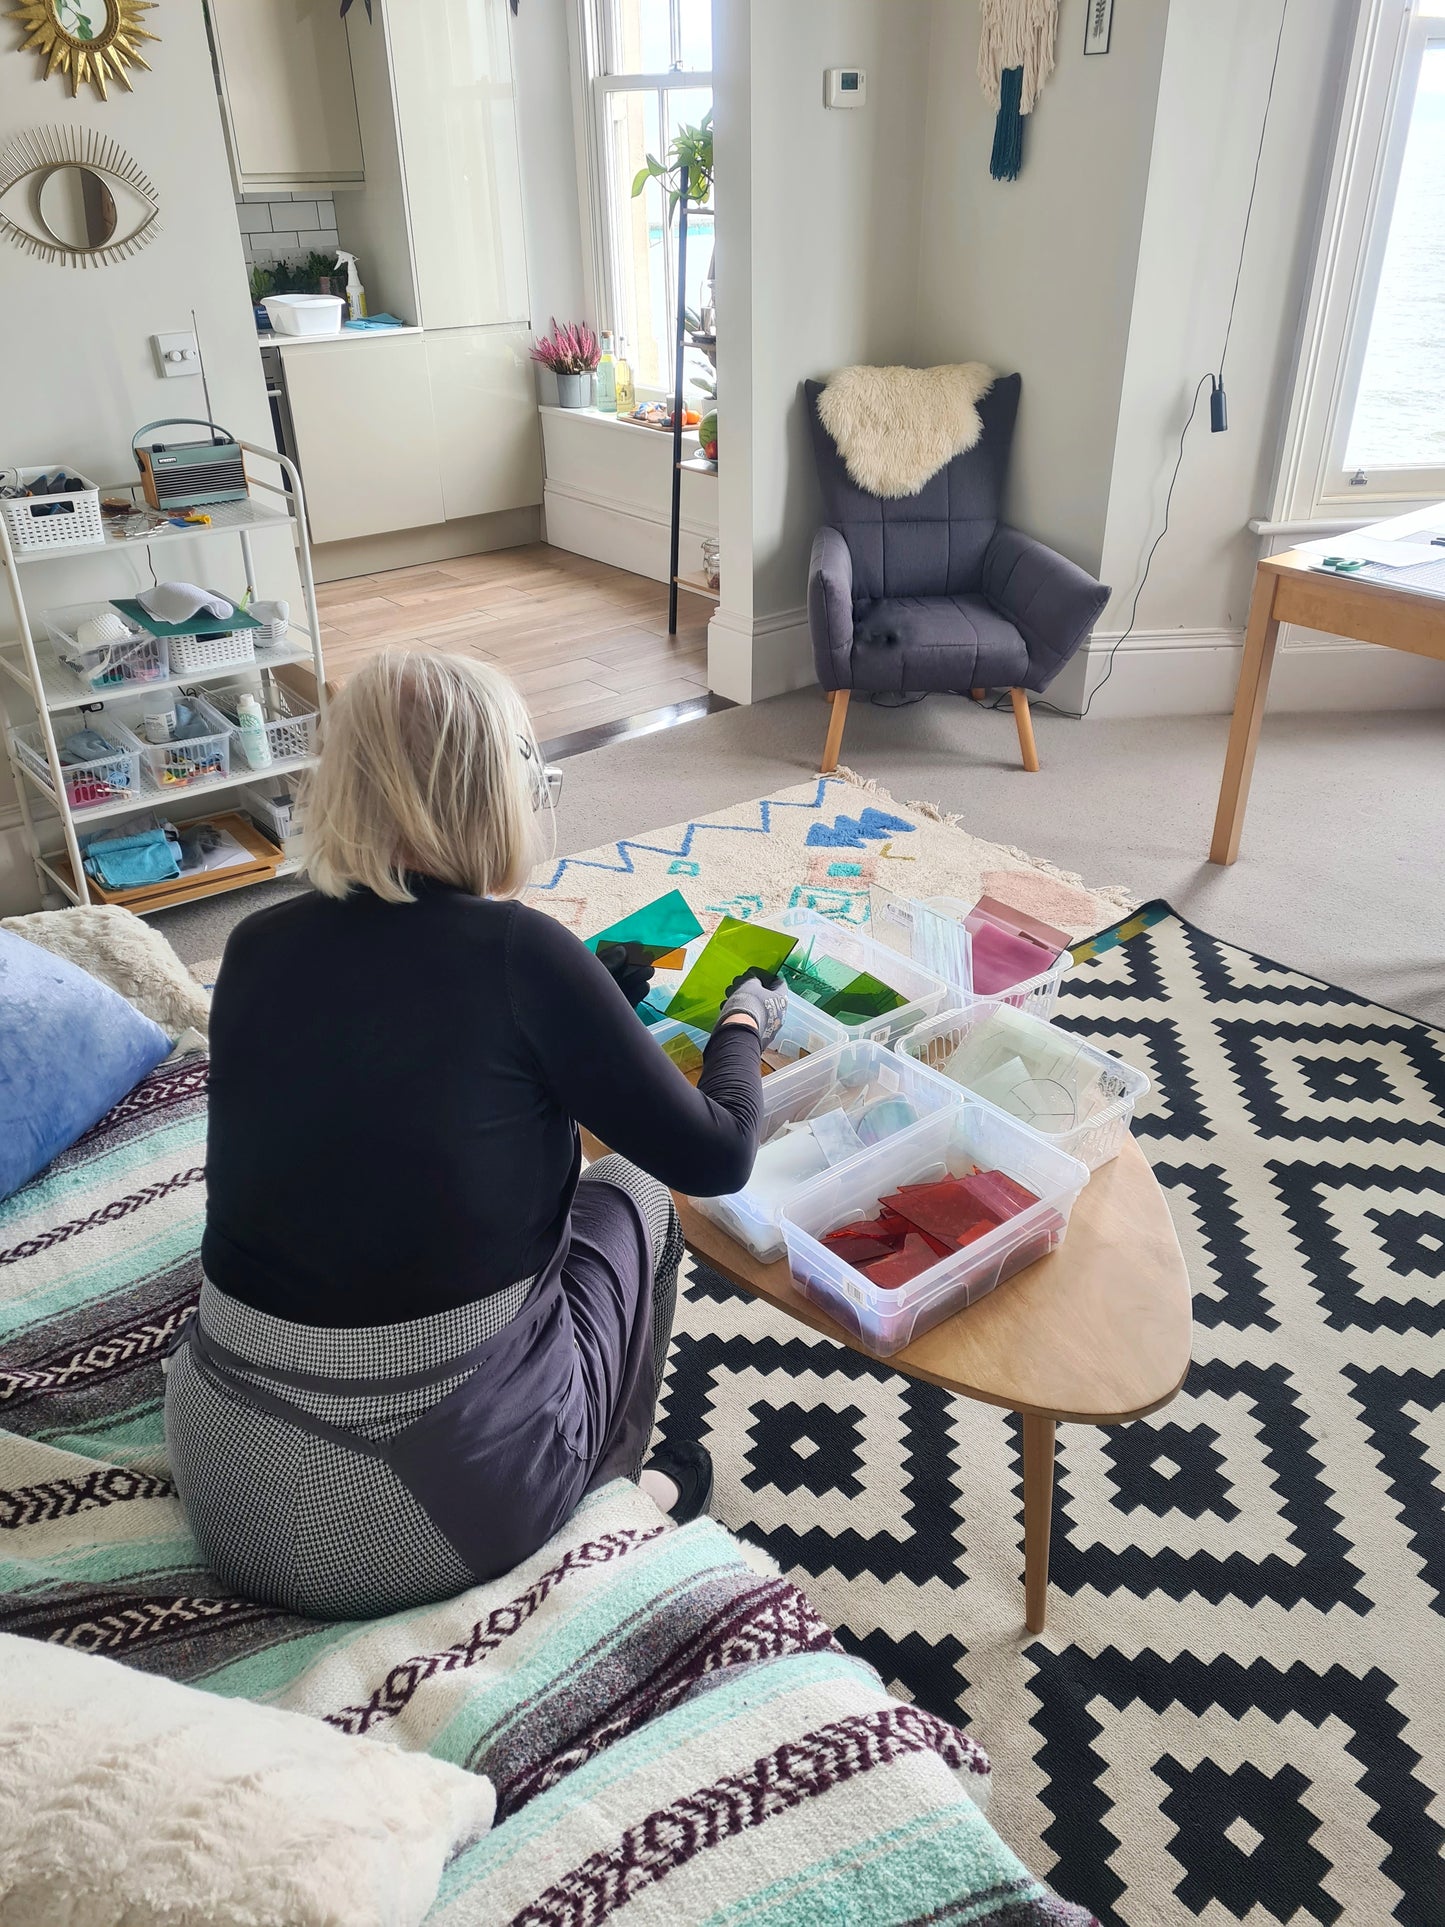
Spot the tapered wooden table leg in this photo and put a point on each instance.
(1249, 700)
(1038, 1517)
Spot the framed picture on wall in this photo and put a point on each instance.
(1098, 25)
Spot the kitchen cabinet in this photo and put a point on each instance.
(283, 68)
(366, 436)
(484, 404)
(456, 114)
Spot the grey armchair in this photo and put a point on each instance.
(933, 592)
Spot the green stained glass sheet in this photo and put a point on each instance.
(733, 948)
(659, 927)
(835, 988)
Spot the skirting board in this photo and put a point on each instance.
(749, 659)
(1193, 672)
(441, 542)
(629, 539)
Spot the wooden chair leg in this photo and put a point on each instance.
(978, 694)
(834, 740)
(1025, 724)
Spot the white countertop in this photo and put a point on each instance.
(277, 340)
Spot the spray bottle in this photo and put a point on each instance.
(355, 293)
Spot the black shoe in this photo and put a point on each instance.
(689, 1466)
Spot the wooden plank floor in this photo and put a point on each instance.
(585, 644)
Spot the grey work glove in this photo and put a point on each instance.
(762, 998)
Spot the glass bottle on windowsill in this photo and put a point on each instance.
(605, 380)
(626, 393)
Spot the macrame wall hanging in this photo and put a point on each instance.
(1015, 58)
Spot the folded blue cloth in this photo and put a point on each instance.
(127, 862)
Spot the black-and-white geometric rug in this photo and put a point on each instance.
(1237, 1712)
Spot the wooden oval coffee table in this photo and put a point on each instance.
(1094, 1334)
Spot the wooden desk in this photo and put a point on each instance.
(1094, 1334)
(1291, 588)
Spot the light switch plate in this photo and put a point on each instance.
(176, 354)
(844, 87)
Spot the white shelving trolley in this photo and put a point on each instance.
(55, 813)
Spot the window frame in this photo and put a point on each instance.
(1377, 103)
(596, 79)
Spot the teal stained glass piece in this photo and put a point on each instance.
(664, 925)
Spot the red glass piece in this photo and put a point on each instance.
(900, 1266)
(860, 1244)
(998, 1194)
(947, 1210)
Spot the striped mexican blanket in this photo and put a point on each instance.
(673, 1733)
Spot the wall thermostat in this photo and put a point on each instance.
(845, 87)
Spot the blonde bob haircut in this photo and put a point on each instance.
(427, 766)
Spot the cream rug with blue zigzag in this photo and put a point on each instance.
(820, 846)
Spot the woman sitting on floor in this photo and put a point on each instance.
(421, 1339)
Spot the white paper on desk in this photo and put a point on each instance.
(1363, 547)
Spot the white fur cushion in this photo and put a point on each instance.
(129, 1801)
(124, 952)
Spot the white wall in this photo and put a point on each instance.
(1035, 275)
(551, 208)
(79, 376)
(817, 248)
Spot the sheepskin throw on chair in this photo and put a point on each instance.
(896, 427)
(1015, 58)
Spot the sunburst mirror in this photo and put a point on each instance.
(86, 41)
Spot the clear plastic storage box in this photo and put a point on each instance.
(134, 658)
(1099, 1090)
(1037, 995)
(924, 993)
(789, 1095)
(805, 1032)
(104, 779)
(952, 1140)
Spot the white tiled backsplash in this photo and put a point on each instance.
(278, 227)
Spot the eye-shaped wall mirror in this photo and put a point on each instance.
(86, 41)
(69, 194)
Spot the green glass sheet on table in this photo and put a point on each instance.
(835, 988)
(734, 947)
(660, 927)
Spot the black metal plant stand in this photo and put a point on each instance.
(676, 541)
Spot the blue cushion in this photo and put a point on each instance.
(70, 1048)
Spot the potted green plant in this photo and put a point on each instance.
(571, 352)
(689, 161)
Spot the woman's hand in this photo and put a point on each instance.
(758, 1000)
(630, 968)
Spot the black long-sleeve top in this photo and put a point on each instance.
(393, 1096)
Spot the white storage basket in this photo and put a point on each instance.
(1038, 995)
(140, 658)
(104, 779)
(794, 1093)
(290, 728)
(192, 762)
(1096, 1137)
(193, 655)
(885, 1319)
(38, 522)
